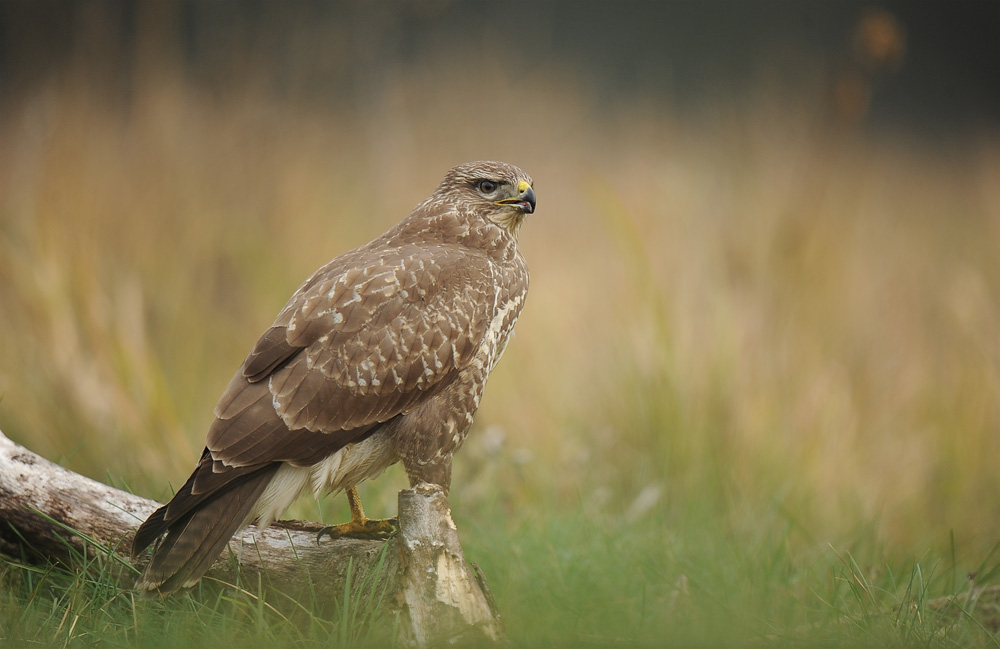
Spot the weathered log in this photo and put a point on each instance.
(48, 513)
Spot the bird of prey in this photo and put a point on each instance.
(380, 357)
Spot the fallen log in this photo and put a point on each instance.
(51, 514)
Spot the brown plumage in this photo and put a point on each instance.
(381, 356)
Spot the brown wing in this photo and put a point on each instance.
(354, 347)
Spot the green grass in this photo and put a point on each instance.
(678, 578)
(84, 604)
(752, 399)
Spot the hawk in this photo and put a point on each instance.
(380, 357)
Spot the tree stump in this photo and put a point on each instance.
(441, 596)
(48, 513)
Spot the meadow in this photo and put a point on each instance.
(752, 399)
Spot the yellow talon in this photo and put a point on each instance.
(360, 526)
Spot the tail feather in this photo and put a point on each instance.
(194, 540)
(149, 531)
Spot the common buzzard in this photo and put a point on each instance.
(381, 356)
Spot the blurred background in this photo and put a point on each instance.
(765, 269)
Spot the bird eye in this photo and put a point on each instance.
(487, 186)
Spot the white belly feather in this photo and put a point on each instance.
(344, 469)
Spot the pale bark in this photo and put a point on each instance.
(47, 512)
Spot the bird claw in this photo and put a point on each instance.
(368, 529)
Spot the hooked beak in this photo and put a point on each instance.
(525, 200)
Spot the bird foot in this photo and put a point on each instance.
(367, 528)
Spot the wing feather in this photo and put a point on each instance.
(271, 351)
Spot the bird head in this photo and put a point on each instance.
(500, 191)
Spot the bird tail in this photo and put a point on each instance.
(196, 538)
